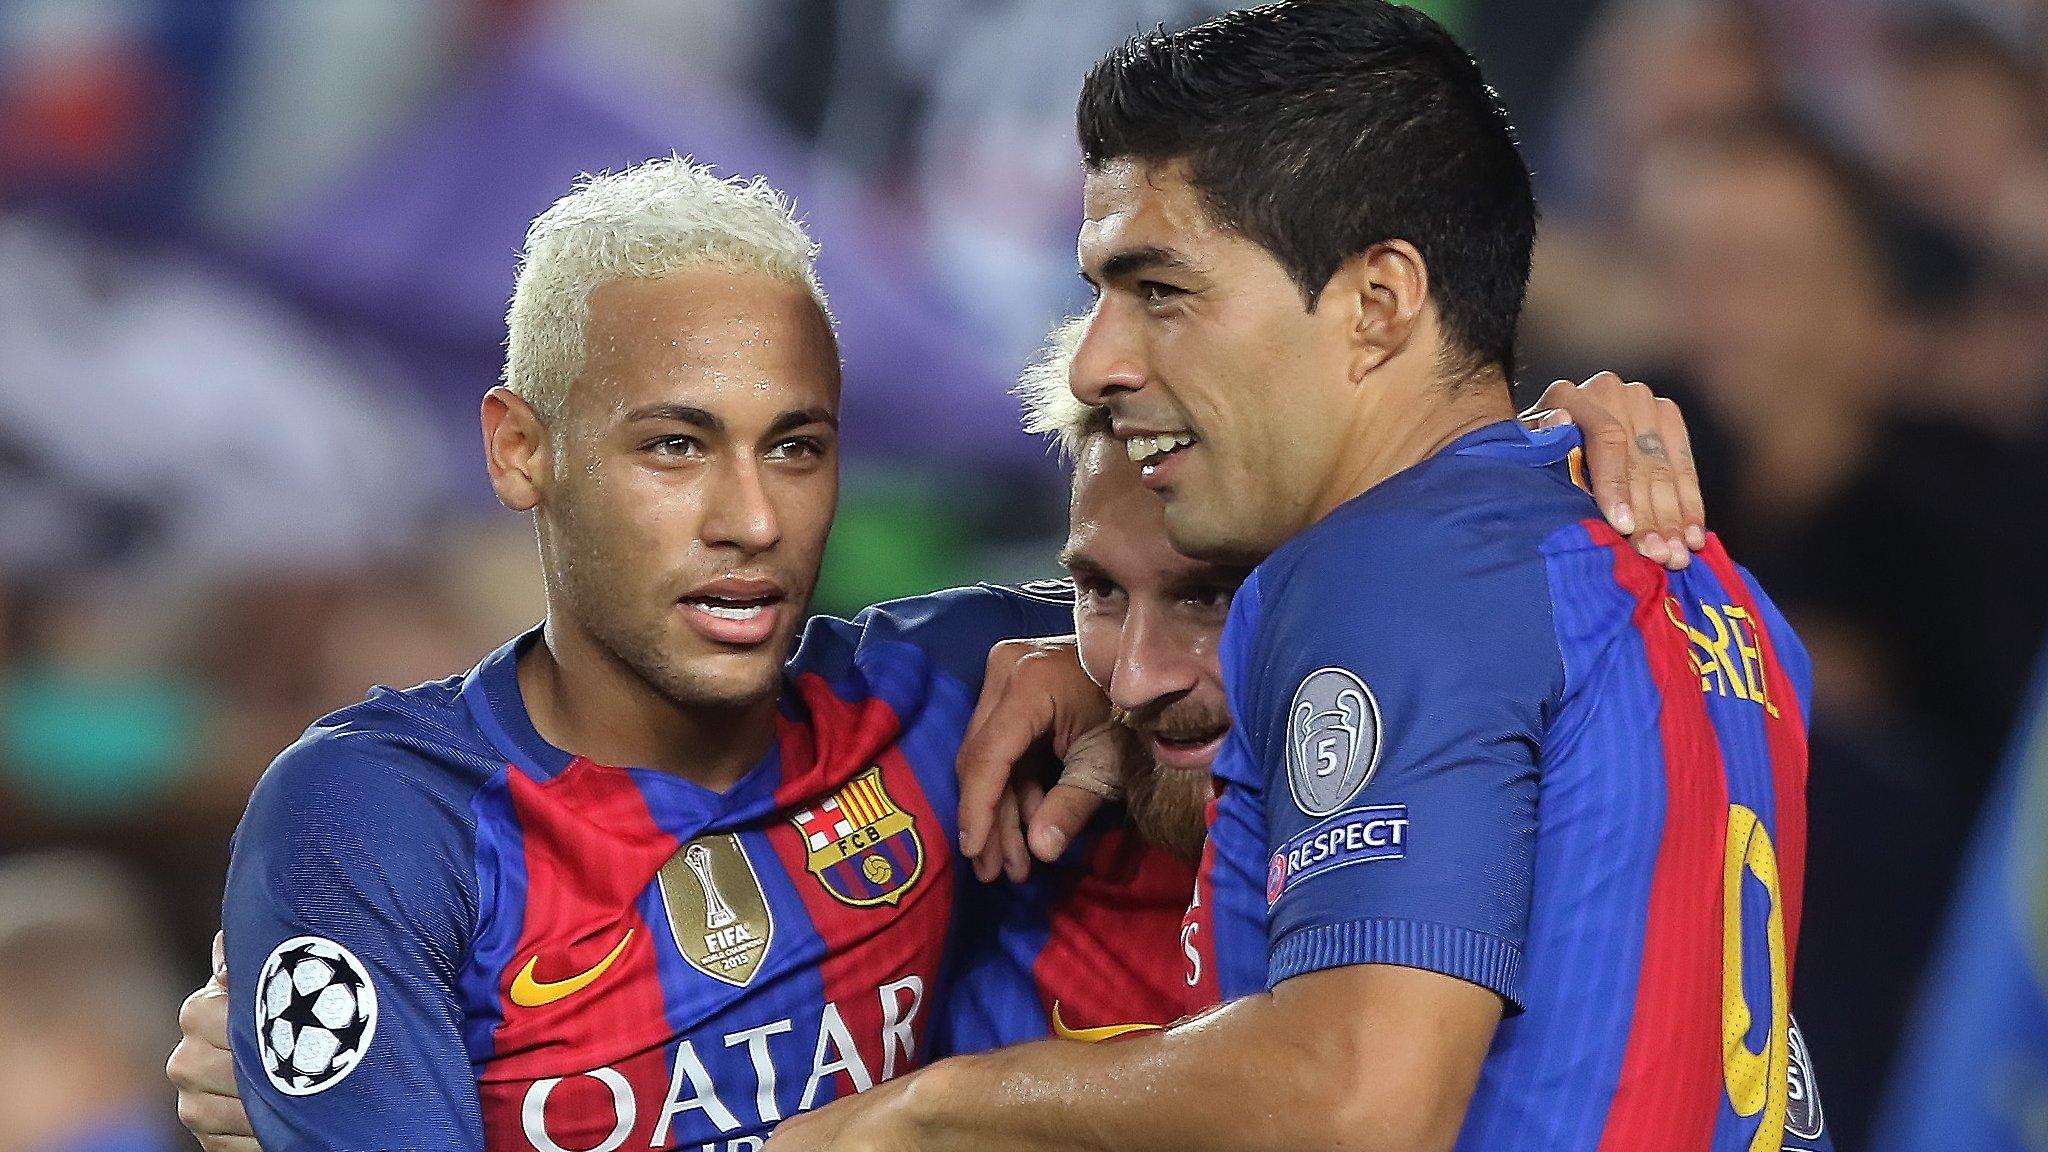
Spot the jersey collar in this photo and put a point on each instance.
(491, 690)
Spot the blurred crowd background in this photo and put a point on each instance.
(254, 256)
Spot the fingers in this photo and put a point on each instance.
(203, 1071)
(220, 1122)
(203, 1018)
(1610, 456)
(1692, 508)
(1092, 775)
(1633, 466)
(1067, 810)
(996, 739)
(1016, 859)
(1548, 411)
(988, 863)
(200, 1070)
(220, 958)
(1030, 794)
(987, 860)
(1036, 691)
(989, 756)
(1658, 506)
(1030, 797)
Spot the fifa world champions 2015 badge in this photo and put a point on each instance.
(316, 1012)
(1333, 740)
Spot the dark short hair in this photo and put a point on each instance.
(1320, 128)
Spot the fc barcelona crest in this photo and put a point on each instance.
(860, 845)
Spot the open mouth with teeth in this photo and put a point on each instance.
(732, 617)
(725, 608)
(1148, 451)
(1186, 750)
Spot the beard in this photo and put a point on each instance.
(1170, 809)
(1170, 806)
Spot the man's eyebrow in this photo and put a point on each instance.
(680, 413)
(791, 421)
(1131, 261)
(1070, 558)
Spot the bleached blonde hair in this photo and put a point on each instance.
(648, 220)
(1045, 388)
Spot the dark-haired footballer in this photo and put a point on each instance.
(1508, 843)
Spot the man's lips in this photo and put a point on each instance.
(738, 612)
(1191, 753)
(1153, 449)
(1157, 473)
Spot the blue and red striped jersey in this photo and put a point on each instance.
(1477, 734)
(448, 934)
(1089, 948)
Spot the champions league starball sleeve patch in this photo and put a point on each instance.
(316, 1013)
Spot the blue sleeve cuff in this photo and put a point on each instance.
(1488, 961)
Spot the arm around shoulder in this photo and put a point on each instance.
(1366, 1058)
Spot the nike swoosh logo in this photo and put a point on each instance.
(1094, 1035)
(528, 992)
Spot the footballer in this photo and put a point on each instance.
(674, 865)
(1508, 841)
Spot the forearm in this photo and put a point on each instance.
(1211, 1083)
(1284, 1071)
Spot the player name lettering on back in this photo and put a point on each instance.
(1725, 652)
(745, 1092)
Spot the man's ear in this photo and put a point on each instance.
(516, 449)
(1382, 292)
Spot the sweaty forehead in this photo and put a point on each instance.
(705, 335)
(1130, 205)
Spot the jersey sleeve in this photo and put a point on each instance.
(350, 903)
(957, 627)
(1400, 680)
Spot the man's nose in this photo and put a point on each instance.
(741, 514)
(1107, 361)
(1150, 664)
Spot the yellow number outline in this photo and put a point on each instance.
(1757, 1081)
